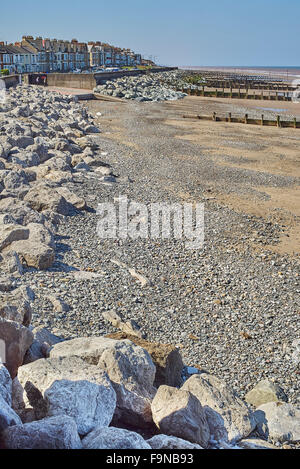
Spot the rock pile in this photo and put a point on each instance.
(141, 88)
(92, 392)
(86, 391)
(44, 138)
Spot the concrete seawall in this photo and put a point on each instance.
(10, 80)
(88, 81)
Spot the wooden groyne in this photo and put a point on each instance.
(247, 120)
(239, 94)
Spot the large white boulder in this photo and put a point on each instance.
(38, 250)
(171, 442)
(265, 391)
(179, 413)
(114, 438)
(129, 368)
(7, 416)
(229, 418)
(278, 421)
(66, 386)
(17, 340)
(50, 433)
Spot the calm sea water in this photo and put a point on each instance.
(286, 73)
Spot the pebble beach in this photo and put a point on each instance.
(228, 309)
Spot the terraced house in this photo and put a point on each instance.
(53, 55)
(6, 58)
(15, 58)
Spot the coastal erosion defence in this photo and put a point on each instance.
(9, 81)
(89, 81)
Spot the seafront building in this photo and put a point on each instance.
(52, 55)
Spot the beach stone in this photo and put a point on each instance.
(255, 443)
(67, 386)
(5, 384)
(11, 233)
(15, 179)
(20, 211)
(16, 306)
(72, 198)
(50, 433)
(5, 284)
(38, 250)
(278, 421)
(44, 197)
(17, 339)
(228, 416)
(10, 263)
(296, 351)
(58, 304)
(171, 442)
(41, 345)
(59, 177)
(129, 368)
(128, 327)
(114, 438)
(265, 391)
(179, 413)
(166, 358)
(21, 141)
(8, 416)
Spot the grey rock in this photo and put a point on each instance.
(17, 339)
(51, 433)
(42, 343)
(228, 416)
(11, 233)
(129, 368)
(38, 250)
(171, 442)
(255, 443)
(278, 421)
(16, 306)
(265, 391)
(43, 197)
(114, 438)
(179, 413)
(58, 386)
(5, 384)
(8, 416)
(10, 263)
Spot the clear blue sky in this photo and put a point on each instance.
(178, 32)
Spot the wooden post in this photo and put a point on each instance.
(230, 91)
(216, 92)
(278, 121)
(276, 95)
(214, 117)
(229, 117)
(295, 123)
(262, 119)
(262, 94)
(203, 91)
(246, 118)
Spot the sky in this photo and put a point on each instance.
(176, 32)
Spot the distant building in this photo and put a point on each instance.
(32, 55)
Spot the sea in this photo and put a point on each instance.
(285, 73)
